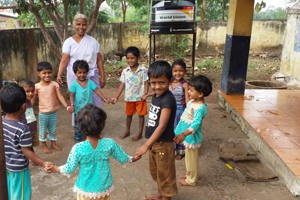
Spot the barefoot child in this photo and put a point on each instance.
(179, 89)
(135, 81)
(48, 92)
(81, 92)
(93, 157)
(189, 129)
(17, 143)
(28, 117)
(160, 132)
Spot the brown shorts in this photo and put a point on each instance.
(35, 140)
(139, 106)
(162, 167)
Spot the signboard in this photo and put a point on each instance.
(175, 14)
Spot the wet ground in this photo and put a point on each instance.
(133, 181)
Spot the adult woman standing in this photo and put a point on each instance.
(82, 47)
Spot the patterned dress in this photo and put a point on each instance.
(179, 95)
(95, 178)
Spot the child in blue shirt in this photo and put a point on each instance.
(93, 156)
(81, 92)
(189, 128)
(17, 144)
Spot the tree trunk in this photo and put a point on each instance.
(51, 44)
(66, 32)
(55, 23)
(124, 10)
(82, 6)
(203, 10)
(93, 16)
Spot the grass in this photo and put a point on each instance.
(209, 63)
(113, 67)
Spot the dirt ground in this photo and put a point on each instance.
(133, 181)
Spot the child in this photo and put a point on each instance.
(135, 81)
(81, 92)
(160, 132)
(179, 88)
(189, 129)
(17, 143)
(93, 157)
(48, 92)
(28, 117)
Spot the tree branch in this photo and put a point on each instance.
(8, 7)
(92, 19)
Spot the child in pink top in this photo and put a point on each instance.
(48, 92)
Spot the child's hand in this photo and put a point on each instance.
(113, 100)
(136, 158)
(179, 138)
(144, 97)
(141, 151)
(47, 166)
(70, 109)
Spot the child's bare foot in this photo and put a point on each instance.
(183, 183)
(54, 146)
(153, 197)
(179, 157)
(183, 176)
(136, 138)
(46, 150)
(125, 135)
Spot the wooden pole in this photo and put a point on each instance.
(3, 181)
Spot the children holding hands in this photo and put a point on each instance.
(92, 157)
(134, 81)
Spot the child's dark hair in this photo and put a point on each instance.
(91, 120)
(26, 83)
(159, 68)
(134, 50)
(43, 65)
(80, 64)
(202, 84)
(12, 98)
(179, 62)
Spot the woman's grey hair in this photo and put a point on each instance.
(79, 16)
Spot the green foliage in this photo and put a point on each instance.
(179, 45)
(215, 9)
(251, 67)
(271, 13)
(259, 6)
(210, 62)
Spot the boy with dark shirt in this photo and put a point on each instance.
(160, 132)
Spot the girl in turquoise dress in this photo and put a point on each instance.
(93, 157)
(189, 129)
(179, 89)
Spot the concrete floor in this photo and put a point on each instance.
(133, 181)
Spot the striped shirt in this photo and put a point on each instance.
(16, 135)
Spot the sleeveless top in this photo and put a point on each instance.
(179, 94)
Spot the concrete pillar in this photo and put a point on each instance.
(237, 46)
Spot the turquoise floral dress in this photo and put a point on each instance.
(191, 119)
(94, 178)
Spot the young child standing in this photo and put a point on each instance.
(134, 80)
(179, 89)
(160, 132)
(189, 129)
(81, 92)
(93, 157)
(28, 117)
(48, 92)
(17, 143)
